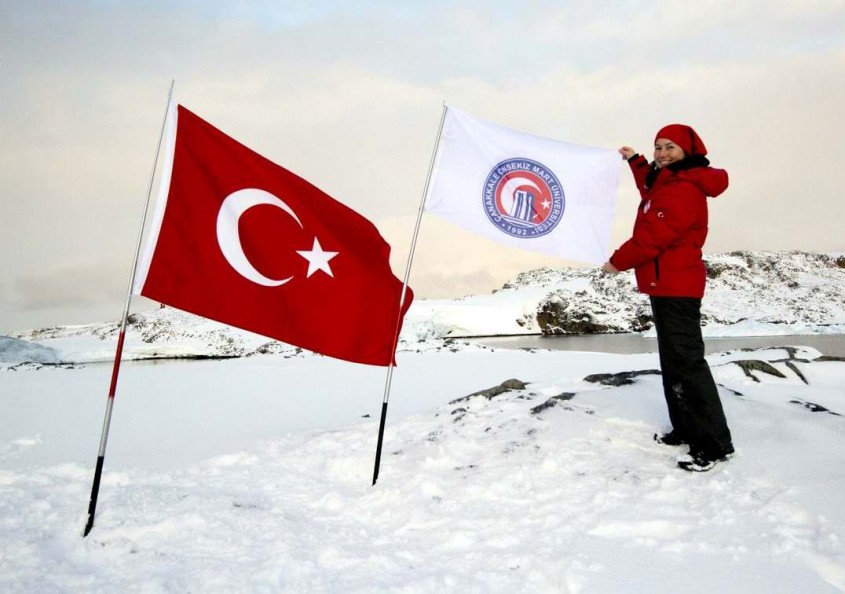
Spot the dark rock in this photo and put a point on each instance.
(642, 322)
(749, 365)
(731, 390)
(792, 351)
(489, 393)
(623, 378)
(555, 318)
(715, 269)
(814, 407)
(553, 401)
(797, 371)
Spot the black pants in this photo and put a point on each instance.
(694, 406)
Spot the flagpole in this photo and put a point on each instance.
(389, 377)
(98, 471)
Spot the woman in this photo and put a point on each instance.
(665, 253)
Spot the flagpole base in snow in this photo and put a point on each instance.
(104, 437)
(95, 490)
(380, 441)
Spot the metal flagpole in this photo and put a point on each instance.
(389, 378)
(98, 471)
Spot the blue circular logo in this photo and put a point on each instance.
(523, 198)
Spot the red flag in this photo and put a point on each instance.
(246, 242)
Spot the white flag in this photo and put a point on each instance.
(524, 190)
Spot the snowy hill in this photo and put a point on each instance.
(164, 333)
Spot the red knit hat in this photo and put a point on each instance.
(685, 137)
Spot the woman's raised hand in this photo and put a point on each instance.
(608, 267)
(627, 152)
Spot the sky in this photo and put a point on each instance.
(349, 96)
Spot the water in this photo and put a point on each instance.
(827, 344)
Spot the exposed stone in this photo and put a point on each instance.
(506, 386)
(797, 371)
(622, 378)
(643, 321)
(715, 269)
(553, 401)
(749, 365)
(812, 407)
(556, 317)
(731, 390)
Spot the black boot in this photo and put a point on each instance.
(673, 438)
(701, 461)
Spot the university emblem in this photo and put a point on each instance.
(523, 198)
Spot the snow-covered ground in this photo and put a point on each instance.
(253, 473)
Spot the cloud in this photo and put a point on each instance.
(350, 98)
(452, 262)
(68, 291)
(71, 284)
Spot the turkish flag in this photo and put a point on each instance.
(241, 240)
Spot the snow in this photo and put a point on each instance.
(251, 471)
(14, 350)
(253, 474)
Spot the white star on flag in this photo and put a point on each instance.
(318, 259)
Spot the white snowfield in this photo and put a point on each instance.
(253, 474)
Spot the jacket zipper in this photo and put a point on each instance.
(656, 270)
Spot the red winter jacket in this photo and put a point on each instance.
(671, 227)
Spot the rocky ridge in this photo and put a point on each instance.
(801, 289)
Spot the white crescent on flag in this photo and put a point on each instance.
(228, 236)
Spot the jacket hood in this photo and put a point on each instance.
(696, 169)
(709, 180)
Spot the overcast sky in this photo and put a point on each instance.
(349, 95)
